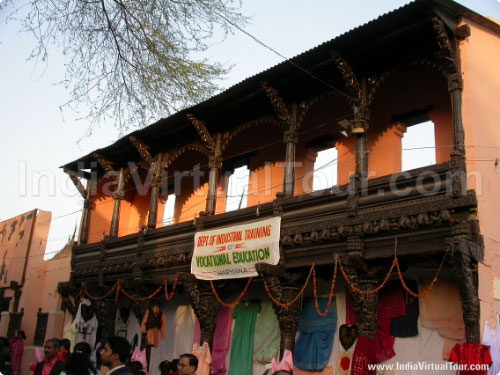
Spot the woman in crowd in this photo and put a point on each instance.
(78, 362)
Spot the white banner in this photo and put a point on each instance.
(231, 252)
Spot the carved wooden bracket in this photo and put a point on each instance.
(142, 149)
(284, 287)
(204, 304)
(104, 163)
(365, 305)
(446, 50)
(201, 128)
(72, 175)
(467, 279)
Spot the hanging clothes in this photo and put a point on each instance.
(69, 332)
(314, 345)
(442, 310)
(266, 340)
(344, 363)
(122, 321)
(86, 326)
(491, 337)
(471, 354)
(245, 315)
(153, 325)
(390, 305)
(204, 358)
(406, 326)
(220, 346)
(364, 354)
(16, 351)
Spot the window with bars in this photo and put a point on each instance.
(41, 328)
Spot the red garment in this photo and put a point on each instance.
(391, 304)
(47, 367)
(364, 354)
(16, 350)
(350, 315)
(471, 354)
(62, 355)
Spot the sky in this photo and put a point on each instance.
(37, 137)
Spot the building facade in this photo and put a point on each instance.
(362, 94)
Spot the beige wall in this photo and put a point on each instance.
(480, 56)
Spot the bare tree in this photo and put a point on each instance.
(131, 60)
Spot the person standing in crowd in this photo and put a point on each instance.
(16, 350)
(51, 365)
(4, 356)
(78, 362)
(64, 352)
(188, 363)
(115, 354)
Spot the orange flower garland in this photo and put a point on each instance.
(238, 299)
(287, 305)
(332, 291)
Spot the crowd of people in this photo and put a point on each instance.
(112, 358)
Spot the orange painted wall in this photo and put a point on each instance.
(14, 244)
(100, 213)
(480, 58)
(41, 277)
(404, 92)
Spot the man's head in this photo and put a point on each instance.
(51, 348)
(116, 352)
(65, 344)
(187, 365)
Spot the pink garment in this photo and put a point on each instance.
(220, 346)
(441, 310)
(391, 304)
(140, 356)
(204, 358)
(16, 350)
(286, 363)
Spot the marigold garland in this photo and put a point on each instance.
(332, 291)
(376, 290)
(142, 298)
(287, 305)
(167, 297)
(86, 292)
(238, 299)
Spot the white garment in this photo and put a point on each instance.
(340, 300)
(424, 348)
(491, 337)
(85, 330)
(179, 330)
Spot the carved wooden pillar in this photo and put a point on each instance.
(155, 192)
(359, 127)
(204, 304)
(284, 287)
(215, 164)
(117, 196)
(84, 222)
(105, 311)
(291, 138)
(365, 305)
(455, 87)
(467, 280)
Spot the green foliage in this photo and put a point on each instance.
(131, 61)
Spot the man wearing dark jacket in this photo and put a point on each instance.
(115, 354)
(51, 365)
